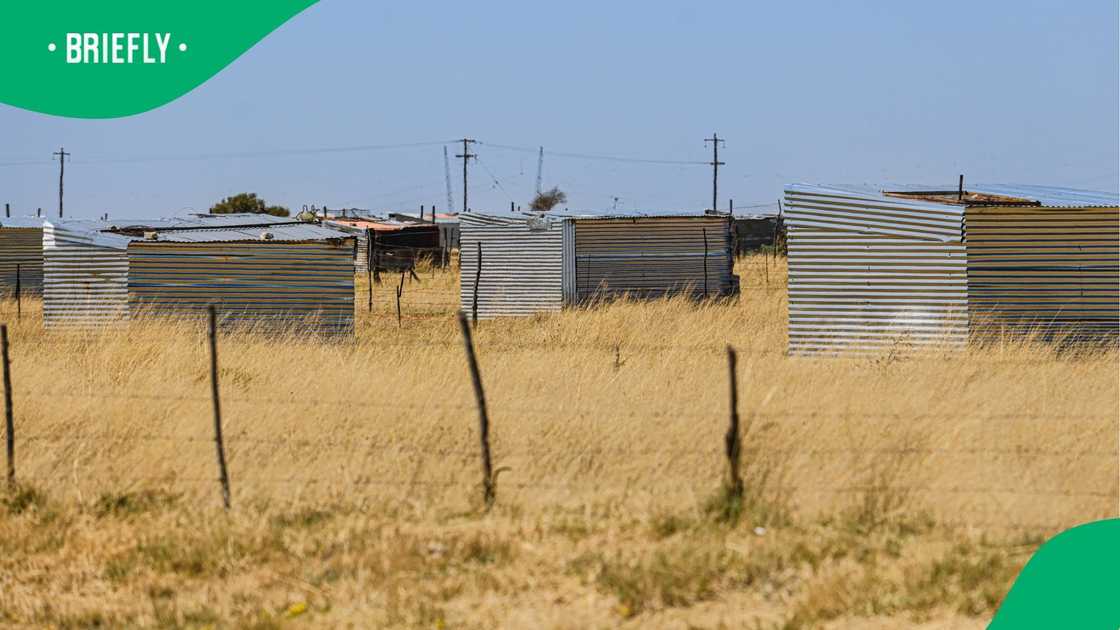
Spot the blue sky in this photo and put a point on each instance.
(826, 92)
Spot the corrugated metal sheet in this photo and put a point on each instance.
(868, 272)
(279, 233)
(273, 285)
(853, 292)
(191, 221)
(522, 264)
(652, 257)
(870, 212)
(21, 249)
(85, 284)
(1055, 268)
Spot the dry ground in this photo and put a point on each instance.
(881, 491)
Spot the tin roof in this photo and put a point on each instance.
(197, 228)
(377, 225)
(984, 194)
(282, 233)
(1054, 197)
(198, 221)
(596, 214)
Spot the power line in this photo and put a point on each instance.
(354, 149)
(246, 154)
(590, 156)
(493, 177)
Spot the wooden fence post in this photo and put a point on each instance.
(9, 424)
(400, 290)
(223, 474)
(733, 440)
(705, 232)
(483, 418)
(474, 294)
(19, 291)
(369, 268)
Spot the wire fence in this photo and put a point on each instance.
(42, 438)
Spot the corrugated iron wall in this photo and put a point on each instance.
(872, 213)
(23, 247)
(1045, 266)
(868, 274)
(273, 285)
(84, 285)
(860, 292)
(652, 256)
(521, 267)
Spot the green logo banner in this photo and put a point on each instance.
(90, 59)
(1072, 581)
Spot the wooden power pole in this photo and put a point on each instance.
(62, 155)
(715, 140)
(466, 155)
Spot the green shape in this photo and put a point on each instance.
(215, 33)
(1072, 581)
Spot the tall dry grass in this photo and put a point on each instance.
(610, 421)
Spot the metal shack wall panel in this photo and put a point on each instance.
(856, 292)
(521, 267)
(361, 253)
(84, 285)
(273, 286)
(869, 212)
(1045, 267)
(23, 247)
(652, 256)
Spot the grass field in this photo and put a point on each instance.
(880, 491)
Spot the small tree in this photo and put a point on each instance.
(247, 202)
(547, 200)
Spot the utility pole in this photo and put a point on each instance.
(540, 168)
(62, 155)
(715, 140)
(466, 155)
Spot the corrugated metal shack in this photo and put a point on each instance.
(543, 262)
(398, 242)
(21, 248)
(85, 275)
(265, 272)
(871, 269)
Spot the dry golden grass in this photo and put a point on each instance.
(891, 490)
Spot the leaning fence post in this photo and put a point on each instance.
(705, 232)
(9, 424)
(483, 418)
(223, 474)
(369, 268)
(19, 291)
(474, 294)
(733, 441)
(400, 290)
